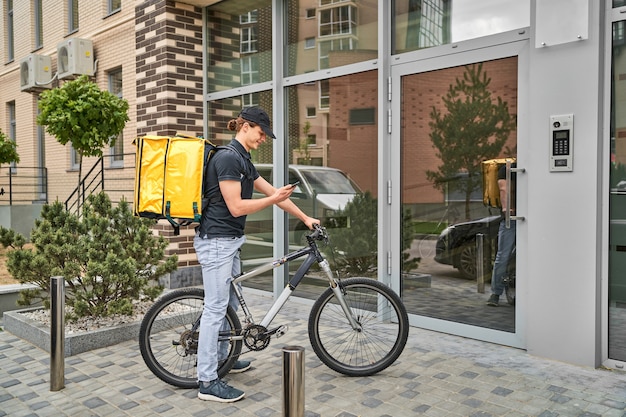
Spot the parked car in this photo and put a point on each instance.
(456, 244)
(320, 193)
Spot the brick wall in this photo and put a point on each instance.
(168, 67)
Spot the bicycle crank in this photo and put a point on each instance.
(257, 337)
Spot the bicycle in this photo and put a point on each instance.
(357, 326)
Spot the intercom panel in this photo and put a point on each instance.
(561, 142)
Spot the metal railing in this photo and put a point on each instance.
(20, 184)
(116, 181)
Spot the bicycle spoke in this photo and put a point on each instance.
(372, 347)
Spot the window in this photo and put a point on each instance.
(74, 158)
(333, 31)
(10, 39)
(246, 30)
(248, 40)
(337, 21)
(310, 112)
(249, 70)
(328, 46)
(324, 94)
(249, 100)
(424, 24)
(38, 23)
(117, 150)
(249, 17)
(72, 16)
(114, 6)
(12, 129)
(41, 161)
(363, 116)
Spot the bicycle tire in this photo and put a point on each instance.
(165, 331)
(381, 339)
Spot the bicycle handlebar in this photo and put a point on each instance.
(319, 233)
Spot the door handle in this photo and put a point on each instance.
(507, 211)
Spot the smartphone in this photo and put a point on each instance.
(293, 185)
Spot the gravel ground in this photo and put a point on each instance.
(86, 324)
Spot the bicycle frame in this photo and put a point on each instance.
(313, 255)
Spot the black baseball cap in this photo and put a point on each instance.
(257, 115)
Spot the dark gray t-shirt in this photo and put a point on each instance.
(231, 162)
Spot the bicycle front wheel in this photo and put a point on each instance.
(169, 333)
(383, 328)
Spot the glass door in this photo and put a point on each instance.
(458, 134)
(617, 199)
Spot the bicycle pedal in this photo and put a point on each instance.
(281, 331)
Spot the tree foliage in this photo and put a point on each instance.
(107, 256)
(358, 242)
(80, 113)
(8, 150)
(474, 128)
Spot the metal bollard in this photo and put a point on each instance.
(293, 381)
(57, 333)
(480, 263)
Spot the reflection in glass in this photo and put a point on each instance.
(334, 156)
(442, 115)
(329, 34)
(259, 237)
(617, 201)
(239, 44)
(419, 24)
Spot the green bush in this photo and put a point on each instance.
(358, 242)
(108, 257)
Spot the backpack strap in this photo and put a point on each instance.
(213, 149)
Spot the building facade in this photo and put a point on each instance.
(407, 98)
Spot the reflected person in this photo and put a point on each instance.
(506, 238)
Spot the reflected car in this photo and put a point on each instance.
(321, 193)
(456, 245)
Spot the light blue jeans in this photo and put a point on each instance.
(219, 258)
(506, 243)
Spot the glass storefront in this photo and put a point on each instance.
(419, 24)
(329, 34)
(617, 200)
(329, 107)
(239, 44)
(333, 137)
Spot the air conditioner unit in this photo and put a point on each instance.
(75, 57)
(35, 72)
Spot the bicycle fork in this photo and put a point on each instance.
(338, 291)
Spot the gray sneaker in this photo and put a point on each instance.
(240, 366)
(218, 390)
(494, 300)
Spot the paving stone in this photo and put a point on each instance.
(437, 375)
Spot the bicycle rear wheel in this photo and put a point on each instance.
(383, 332)
(169, 333)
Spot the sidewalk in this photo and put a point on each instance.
(437, 375)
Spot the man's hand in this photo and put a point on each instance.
(310, 221)
(282, 193)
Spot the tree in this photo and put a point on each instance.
(107, 256)
(474, 129)
(357, 239)
(8, 150)
(80, 113)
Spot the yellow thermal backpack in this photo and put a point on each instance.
(491, 191)
(169, 175)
